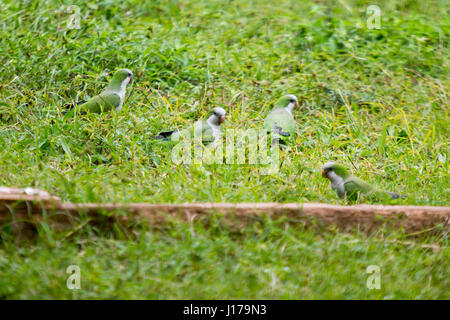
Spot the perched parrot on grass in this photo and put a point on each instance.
(111, 98)
(280, 121)
(350, 187)
(210, 128)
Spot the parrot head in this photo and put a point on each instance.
(218, 115)
(336, 168)
(288, 101)
(123, 75)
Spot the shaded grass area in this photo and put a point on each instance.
(267, 260)
(189, 56)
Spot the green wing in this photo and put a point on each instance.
(355, 187)
(352, 190)
(102, 103)
(281, 118)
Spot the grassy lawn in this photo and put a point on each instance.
(268, 260)
(189, 56)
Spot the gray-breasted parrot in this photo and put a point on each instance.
(111, 98)
(209, 128)
(280, 121)
(350, 187)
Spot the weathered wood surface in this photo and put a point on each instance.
(18, 206)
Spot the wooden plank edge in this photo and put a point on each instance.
(362, 216)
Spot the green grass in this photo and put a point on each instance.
(269, 260)
(189, 56)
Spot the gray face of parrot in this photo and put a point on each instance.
(218, 115)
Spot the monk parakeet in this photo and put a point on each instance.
(280, 121)
(209, 128)
(111, 98)
(348, 186)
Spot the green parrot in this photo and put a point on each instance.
(348, 186)
(111, 98)
(209, 128)
(280, 120)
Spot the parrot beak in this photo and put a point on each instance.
(222, 119)
(131, 79)
(296, 104)
(324, 174)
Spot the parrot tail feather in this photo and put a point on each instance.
(159, 138)
(396, 195)
(69, 107)
(165, 135)
(67, 111)
(279, 131)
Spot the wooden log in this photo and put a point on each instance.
(32, 208)
(363, 216)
